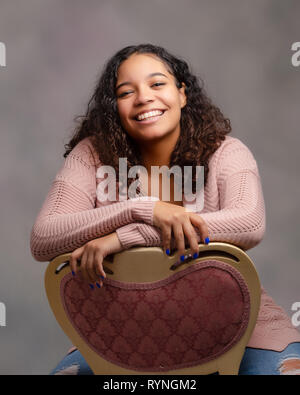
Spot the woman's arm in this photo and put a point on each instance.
(68, 217)
(240, 219)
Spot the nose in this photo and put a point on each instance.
(143, 95)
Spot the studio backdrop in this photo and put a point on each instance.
(51, 54)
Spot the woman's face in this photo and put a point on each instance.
(145, 85)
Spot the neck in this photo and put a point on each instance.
(158, 153)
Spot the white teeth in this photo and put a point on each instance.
(149, 114)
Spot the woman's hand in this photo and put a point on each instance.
(169, 217)
(91, 256)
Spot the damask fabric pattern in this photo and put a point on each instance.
(189, 318)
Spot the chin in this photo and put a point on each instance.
(148, 135)
(153, 136)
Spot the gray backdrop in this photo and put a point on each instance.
(55, 51)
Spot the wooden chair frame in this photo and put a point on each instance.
(126, 266)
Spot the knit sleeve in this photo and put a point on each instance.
(68, 217)
(240, 219)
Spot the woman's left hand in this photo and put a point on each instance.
(91, 256)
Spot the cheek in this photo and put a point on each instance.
(172, 99)
(123, 113)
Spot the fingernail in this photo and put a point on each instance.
(207, 240)
(73, 273)
(182, 258)
(167, 251)
(98, 285)
(103, 278)
(195, 255)
(91, 286)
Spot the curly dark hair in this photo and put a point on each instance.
(202, 124)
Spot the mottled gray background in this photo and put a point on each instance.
(55, 51)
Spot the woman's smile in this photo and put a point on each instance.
(149, 118)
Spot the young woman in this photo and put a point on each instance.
(150, 109)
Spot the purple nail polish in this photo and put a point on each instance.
(167, 251)
(91, 286)
(206, 240)
(73, 273)
(182, 258)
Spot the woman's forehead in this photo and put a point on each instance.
(141, 66)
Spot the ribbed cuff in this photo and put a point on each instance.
(129, 236)
(143, 210)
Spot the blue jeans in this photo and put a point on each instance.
(255, 362)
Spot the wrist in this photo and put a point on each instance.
(114, 244)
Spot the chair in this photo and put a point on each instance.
(157, 316)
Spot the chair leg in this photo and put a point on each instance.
(229, 370)
(229, 364)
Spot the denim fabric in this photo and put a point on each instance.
(255, 362)
(266, 362)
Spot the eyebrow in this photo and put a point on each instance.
(149, 76)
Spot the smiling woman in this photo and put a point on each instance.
(144, 78)
(150, 109)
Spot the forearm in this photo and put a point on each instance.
(57, 230)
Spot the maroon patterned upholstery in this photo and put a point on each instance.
(191, 317)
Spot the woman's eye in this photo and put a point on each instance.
(155, 84)
(158, 83)
(123, 94)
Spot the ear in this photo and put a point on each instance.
(182, 95)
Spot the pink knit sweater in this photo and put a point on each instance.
(234, 212)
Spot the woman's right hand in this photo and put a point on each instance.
(169, 217)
